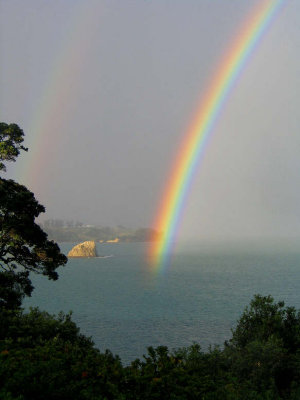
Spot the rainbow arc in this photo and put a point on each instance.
(194, 142)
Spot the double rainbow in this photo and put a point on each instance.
(171, 208)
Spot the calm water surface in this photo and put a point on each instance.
(126, 307)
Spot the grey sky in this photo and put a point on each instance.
(132, 74)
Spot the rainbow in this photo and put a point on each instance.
(194, 142)
(45, 131)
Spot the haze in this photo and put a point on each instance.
(105, 90)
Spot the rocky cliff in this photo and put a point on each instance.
(85, 249)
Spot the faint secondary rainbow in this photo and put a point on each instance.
(192, 148)
(47, 128)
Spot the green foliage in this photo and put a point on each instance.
(14, 285)
(260, 362)
(11, 139)
(43, 357)
(264, 349)
(187, 373)
(24, 246)
(46, 357)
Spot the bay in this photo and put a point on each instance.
(126, 306)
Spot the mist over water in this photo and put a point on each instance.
(107, 91)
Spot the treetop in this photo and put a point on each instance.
(11, 139)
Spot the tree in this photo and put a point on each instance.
(11, 139)
(46, 357)
(264, 348)
(24, 246)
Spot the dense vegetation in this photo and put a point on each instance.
(24, 246)
(45, 357)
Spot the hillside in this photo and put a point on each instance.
(62, 231)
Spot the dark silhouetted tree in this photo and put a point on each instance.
(24, 246)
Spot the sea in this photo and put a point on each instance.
(125, 305)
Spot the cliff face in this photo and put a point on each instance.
(85, 249)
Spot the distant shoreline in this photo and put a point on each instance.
(64, 233)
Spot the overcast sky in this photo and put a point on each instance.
(105, 90)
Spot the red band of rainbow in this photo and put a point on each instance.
(186, 163)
